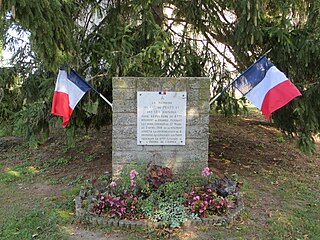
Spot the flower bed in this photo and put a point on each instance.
(151, 197)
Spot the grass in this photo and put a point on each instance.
(54, 180)
(25, 214)
(33, 224)
(26, 217)
(296, 213)
(280, 202)
(300, 215)
(25, 171)
(296, 217)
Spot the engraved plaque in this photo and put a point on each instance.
(161, 118)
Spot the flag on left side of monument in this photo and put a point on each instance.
(69, 90)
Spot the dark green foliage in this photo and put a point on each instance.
(32, 122)
(25, 103)
(104, 39)
(171, 214)
(50, 23)
(301, 118)
(10, 98)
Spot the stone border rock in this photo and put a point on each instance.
(83, 215)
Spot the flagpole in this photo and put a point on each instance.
(103, 97)
(222, 91)
(225, 88)
(106, 100)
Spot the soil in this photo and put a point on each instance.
(243, 147)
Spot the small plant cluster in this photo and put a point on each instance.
(153, 193)
(122, 206)
(159, 175)
(206, 202)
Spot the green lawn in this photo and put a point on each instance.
(281, 200)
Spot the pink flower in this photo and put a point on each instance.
(206, 172)
(113, 184)
(133, 174)
(132, 183)
(204, 195)
(196, 198)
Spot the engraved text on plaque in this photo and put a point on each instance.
(161, 118)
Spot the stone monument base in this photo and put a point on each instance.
(139, 136)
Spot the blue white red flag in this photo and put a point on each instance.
(70, 88)
(266, 86)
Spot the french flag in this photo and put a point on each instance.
(70, 88)
(266, 86)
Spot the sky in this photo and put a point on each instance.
(4, 58)
(7, 54)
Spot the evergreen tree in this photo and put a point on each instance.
(108, 38)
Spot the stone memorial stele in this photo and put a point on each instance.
(160, 120)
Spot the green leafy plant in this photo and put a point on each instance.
(171, 214)
(125, 180)
(57, 161)
(55, 180)
(166, 193)
(122, 206)
(206, 202)
(156, 195)
(260, 145)
(280, 140)
(89, 158)
(279, 137)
